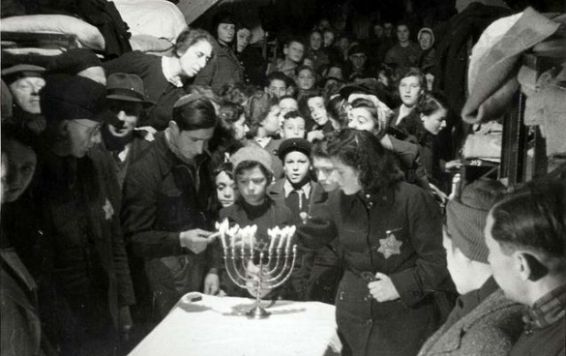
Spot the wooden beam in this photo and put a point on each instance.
(193, 9)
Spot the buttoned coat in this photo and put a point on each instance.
(398, 233)
(490, 329)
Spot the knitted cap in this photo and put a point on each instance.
(254, 154)
(294, 144)
(466, 217)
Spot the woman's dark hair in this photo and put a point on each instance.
(431, 102)
(246, 165)
(336, 109)
(230, 112)
(362, 151)
(225, 167)
(194, 112)
(260, 106)
(534, 217)
(189, 37)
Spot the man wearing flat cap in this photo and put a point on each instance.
(90, 278)
(483, 321)
(25, 81)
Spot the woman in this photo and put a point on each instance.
(224, 67)
(316, 50)
(164, 77)
(432, 111)
(390, 234)
(412, 85)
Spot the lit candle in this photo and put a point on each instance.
(290, 232)
(282, 237)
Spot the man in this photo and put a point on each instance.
(483, 321)
(165, 206)
(126, 99)
(25, 81)
(357, 60)
(81, 228)
(294, 51)
(405, 53)
(526, 237)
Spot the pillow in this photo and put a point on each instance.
(88, 35)
(150, 44)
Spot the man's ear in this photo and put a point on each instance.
(173, 127)
(63, 128)
(529, 266)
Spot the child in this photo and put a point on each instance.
(253, 174)
(293, 125)
(226, 192)
(296, 190)
(321, 123)
(293, 50)
(277, 85)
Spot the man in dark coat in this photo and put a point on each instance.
(90, 274)
(525, 234)
(165, 213)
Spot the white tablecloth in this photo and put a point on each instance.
(211, 327)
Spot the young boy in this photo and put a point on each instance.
(277, 85)
(293, 50)
(293, 125)
(253, 173)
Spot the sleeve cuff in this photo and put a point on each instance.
(407, 287)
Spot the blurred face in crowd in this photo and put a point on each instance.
(243, 38)
(308, 62)
(343, 44)
(94, 73)
(378, 31)
(128, 113)
(358, 60)
(82, 135)
(383, 78)
(410, 90)
(277, 88)
(318, 110)
(328, 38)
(252, 184)
(458, 265)
(505, 266)
(271, 124)
(346, 176)
(335, 72)
(361, 119)
(240, 127)
(305, 79)
(226, 32)
(195, 58)
(435, 122)
(288, 104)
(21, 161)
(315, 41)
(26, 93)
(388, 29)
(294, 51)
(403, 34)
(189, 143)
(425, 41)
(293, 127)
(225, 189)
(323, 168)
(296, 166)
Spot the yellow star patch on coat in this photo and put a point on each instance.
(390, 246)
(108, 210)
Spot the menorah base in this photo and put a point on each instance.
(257, 312)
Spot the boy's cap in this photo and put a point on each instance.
(254, 154)
(294, 144)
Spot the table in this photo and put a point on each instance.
(212, 327)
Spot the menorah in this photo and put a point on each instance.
(254, 265)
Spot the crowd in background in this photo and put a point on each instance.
(115, 171)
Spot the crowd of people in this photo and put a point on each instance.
(114, 173)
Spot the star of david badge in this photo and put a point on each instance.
(389, 246)
(108, 210)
